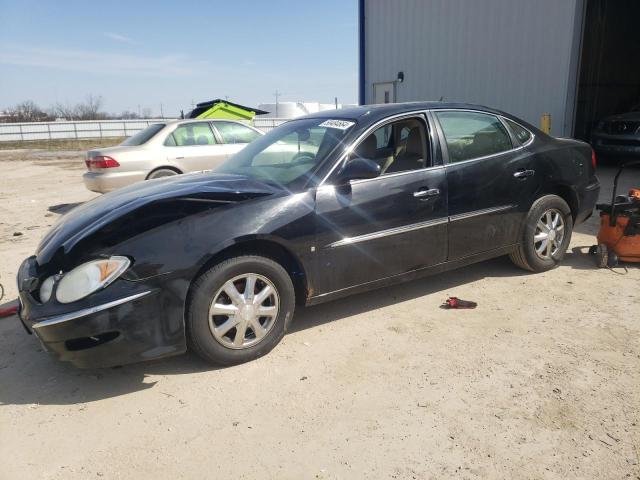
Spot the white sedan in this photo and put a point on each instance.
(164, 149)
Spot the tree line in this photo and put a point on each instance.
(89, 109)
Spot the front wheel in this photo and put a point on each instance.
(545, 235)
(239, 309)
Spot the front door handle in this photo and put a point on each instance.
(524, 173)
(426, 193)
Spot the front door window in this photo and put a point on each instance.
(397, 147)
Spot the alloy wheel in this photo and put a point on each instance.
(243, 311)
(549, 234)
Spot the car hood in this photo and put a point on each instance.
(87, 218)
(629, 116)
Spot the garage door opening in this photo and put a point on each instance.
(609, 75)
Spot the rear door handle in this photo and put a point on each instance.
(426, 193)
(524, 173)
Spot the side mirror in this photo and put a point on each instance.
(358, 169)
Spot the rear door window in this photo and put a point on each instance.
(190, 134)
(472, 135)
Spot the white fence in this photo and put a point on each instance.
(266, 124)
(11, 132)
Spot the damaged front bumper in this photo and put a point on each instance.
(124, 323)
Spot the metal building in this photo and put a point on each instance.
(576, 60)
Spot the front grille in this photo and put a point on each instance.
(620, 127)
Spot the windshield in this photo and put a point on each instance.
(289, 154)
(143, 136)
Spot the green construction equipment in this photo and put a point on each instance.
(224, 109)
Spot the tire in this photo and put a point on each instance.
(528, 254)
(242, 342)
(162, 172)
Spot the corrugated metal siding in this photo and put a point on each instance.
(514, 55)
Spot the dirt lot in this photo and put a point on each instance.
(541, 381)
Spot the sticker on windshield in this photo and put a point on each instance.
(339, 124)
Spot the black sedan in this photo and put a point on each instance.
(324, 206)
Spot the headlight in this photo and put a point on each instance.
(46, 288)
(89, 277)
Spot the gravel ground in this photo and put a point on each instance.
(540, 381)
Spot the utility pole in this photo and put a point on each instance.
(336, 102)
(139, 111)
(277, 94)
(161, 112)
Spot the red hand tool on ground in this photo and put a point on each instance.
(455, 302)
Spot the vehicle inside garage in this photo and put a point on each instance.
(609, 72)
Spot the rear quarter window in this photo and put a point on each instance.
(522, 134)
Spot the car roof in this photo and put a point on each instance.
(181, 121)
(384, 109)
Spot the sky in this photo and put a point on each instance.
(141, 54)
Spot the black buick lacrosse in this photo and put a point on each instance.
(321, 207)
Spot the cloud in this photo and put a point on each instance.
(104, 63)
(118, 38)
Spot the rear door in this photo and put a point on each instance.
(491, 181)
(193, 146)
(234, 136)
(389, 225)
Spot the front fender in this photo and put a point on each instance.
(182, 247)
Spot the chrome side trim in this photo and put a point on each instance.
(476, 159)
(87, 311)
(477, 213)
(387, 233)
(397, 174)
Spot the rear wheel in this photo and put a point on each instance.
(161, 172)
(545, 235)
(239, 309)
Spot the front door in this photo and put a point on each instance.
(491, 181)
(381, 227)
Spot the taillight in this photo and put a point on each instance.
(101, 161)
(594, 159)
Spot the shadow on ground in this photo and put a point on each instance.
(30, 376)
(63, 208)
